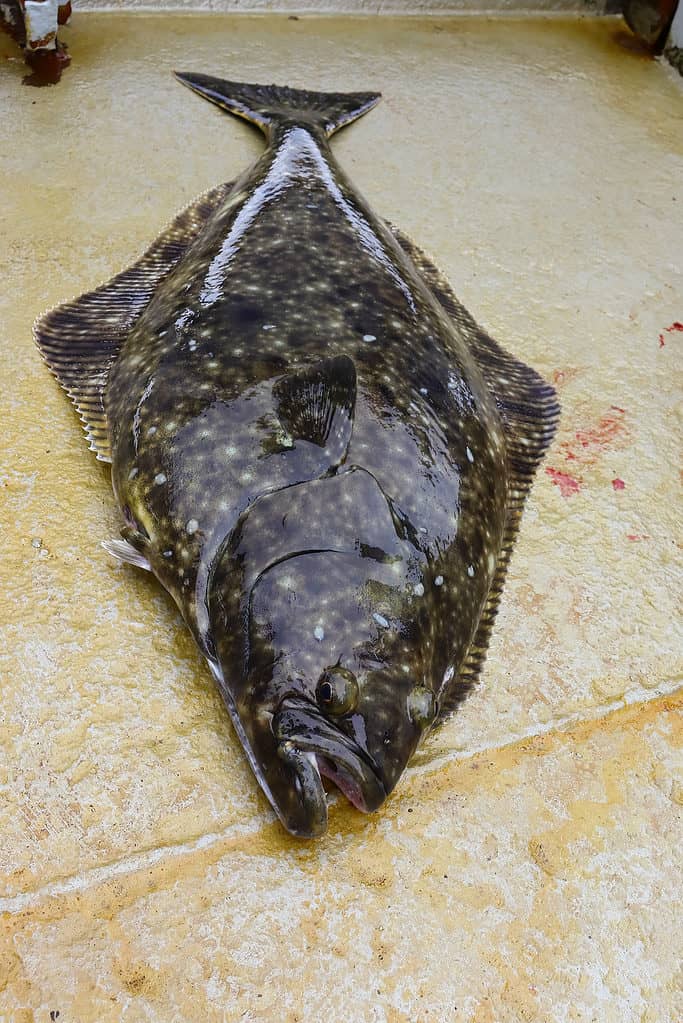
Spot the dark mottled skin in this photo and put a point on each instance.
(396, 537)
(316, 450)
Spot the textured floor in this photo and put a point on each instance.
(528, 866)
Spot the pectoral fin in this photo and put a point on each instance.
(317, 405)
(124, 551)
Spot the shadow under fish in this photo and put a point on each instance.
(316, 451)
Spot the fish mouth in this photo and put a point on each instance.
(314, 747)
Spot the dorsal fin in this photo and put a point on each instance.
(317, 405)
(529, 412)
(81, 339)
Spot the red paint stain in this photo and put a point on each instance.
(637, 536)
(676, 327)
(588, 444)
(567, 484)
(618, 484)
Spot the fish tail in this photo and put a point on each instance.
(269, 105)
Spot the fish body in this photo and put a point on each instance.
(316, 451)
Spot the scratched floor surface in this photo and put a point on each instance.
(528, 866)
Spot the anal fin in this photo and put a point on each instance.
(529, 411)
(81, 339)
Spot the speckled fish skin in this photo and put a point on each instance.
(311, 462)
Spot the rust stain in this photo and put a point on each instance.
(632, 44)
(618, 484)
(47, 65)
(560, 377)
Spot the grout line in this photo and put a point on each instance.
(128, 865)
(141, 861)
(561, 724)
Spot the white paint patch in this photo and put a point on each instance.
(41, 20)
(319, 633)
(191, 526)
(470, 456)
(470, 570)
(369, 337)
(160, 478)
(438, 581)
(419, 590)
(448, 674)
(381, 620)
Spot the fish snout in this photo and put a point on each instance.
(314, 747)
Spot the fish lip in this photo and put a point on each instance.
(298, 724)
(313, 822)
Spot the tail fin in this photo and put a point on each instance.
(265, 105)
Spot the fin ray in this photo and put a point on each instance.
(81, 339)
(529, 411)
(124, 551)
(318, 404)
(264, 105)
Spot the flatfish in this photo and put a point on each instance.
(316, 451)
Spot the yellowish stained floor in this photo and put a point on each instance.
(528, 865)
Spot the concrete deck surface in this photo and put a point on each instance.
(528, 865)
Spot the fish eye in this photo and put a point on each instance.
(422, 706)
(337, 691)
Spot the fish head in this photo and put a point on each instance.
(320, 648)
